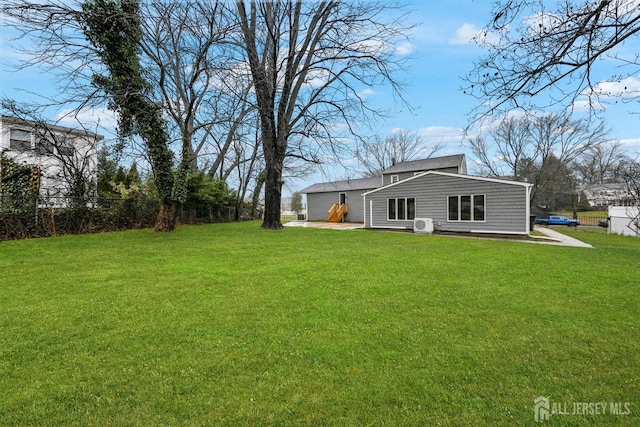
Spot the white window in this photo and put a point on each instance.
(401, 209)
(20, 140)
(395, 178)
(466, 208)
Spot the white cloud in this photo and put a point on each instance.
(540, 23)
(405, 48)
(582, 105)
(468, 33)
(371, 46)
(89, 118)
(464, 34)
(366, 92)
(631, 144)
(597, 97)
(442, 134)
(317, 78)
(628, 87)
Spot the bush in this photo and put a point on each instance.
(208, 199)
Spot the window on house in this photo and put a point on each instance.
(20, 140)
(453, 208)
(478, 208)
(466, 208)
(44, 147)
(411, 208)
(65, 148)
(401, 209)
(395, 178)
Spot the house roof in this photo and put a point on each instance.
(345, 185)
(453, 175)
(427, 164)
(31, 125)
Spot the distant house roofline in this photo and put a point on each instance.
(344, 185)
(455, 160)
(31, 124)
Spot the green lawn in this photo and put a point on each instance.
(235, 325)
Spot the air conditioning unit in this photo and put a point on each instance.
(423, 225)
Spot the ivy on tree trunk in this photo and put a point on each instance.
(113, 28)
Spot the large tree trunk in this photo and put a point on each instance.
(272, 198)
(167, 217)
(255, 198)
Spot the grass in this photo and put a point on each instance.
(235, 325)
(286, 218)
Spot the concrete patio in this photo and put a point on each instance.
(322, 224)
(551, 237)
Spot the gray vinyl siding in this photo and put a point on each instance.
(386, 178)
(505, 204)
(318, 204)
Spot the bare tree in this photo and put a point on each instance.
(203, 95)
(602, 164)
(400, 146)
(309, 62)
(535, 51)
(631, 177)
(535, 148)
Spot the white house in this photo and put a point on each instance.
(62, 154)
(624, 220)
(609, 195)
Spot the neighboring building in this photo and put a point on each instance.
(285, 207)
(624, 220)
(62, 154)
(285, 204)
(609, 195)
(436, 189)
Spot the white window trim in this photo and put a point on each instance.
(406, 207)
(472, 220)
(395, 178)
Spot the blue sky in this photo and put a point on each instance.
(441, 55)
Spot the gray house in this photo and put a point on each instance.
(321, 197)
(451, 202)
(401, 171)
